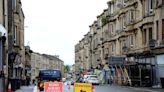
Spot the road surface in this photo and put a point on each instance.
(104, 88)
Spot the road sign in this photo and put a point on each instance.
(82, 87)
(53, 87)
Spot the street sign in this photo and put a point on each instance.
(82, 87)
(53, 87)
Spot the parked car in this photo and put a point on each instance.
(80, 79)
(93, 79)
(85, 78)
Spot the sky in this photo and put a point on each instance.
(55, 26)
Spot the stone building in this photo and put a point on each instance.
(128, 33)
(16, 50)
(44, 61)
(3, 45)
(28, 62)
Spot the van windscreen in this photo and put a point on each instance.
(49, 74)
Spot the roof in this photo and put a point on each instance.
(52, 57)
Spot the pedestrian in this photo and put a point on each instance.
(102, 77)
(111, 80)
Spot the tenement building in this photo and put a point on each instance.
(44, 61)
(129, 37)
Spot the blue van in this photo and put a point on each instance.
(47, 75)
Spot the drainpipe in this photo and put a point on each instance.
(2, 81)
(1, 67)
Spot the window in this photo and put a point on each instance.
(150, 4)
(111, 28)
(125, 19)
(120, 23)
(131, 40)
(113, 47)
(150, 34)
(163, 29)
(144, 36)
(132, 16)
(3, 10)
(146, 7)
(14, 4)
(15, 34)
(112, 7)
(157, 30)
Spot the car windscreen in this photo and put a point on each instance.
(50, 74)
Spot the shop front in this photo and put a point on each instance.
(160, 68)
(3, 79)
(141, 68)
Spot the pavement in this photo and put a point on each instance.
(101, 88)
(115, 88)
(27, 89)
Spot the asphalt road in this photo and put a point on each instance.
(104, 88)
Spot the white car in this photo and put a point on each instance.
(85, 78)
(93, 79)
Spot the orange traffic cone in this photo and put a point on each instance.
(9, 88)
(93, 88)
(69, 87)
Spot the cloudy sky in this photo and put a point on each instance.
(55, 26)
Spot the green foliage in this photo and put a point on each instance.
(104, 20)
(66, 68)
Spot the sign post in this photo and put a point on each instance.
(53, 87)
(82, 87)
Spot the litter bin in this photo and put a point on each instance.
(18, 83)
(13, 84)
(162, 82)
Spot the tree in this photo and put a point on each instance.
(66, 68)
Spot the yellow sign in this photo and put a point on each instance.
(82, 87)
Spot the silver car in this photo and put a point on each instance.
(93, 79)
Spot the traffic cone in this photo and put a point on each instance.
(93, 88)
(9, 87)
(69, 87)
